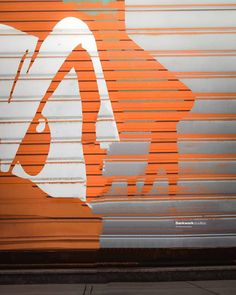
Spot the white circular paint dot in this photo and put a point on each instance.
(41, 125)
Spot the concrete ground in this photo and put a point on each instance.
(221, 287)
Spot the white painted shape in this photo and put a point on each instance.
(69, 88)
(105, 145)
(64, 109)
(105, 110)
(6, 150)
(6, 131)
(70, 23)
(26, 87)
(9, 66)
(61, 172)
(66, 151)
(55, 172)
(89, 44)
(97, 64)
(41, 125)
(11, 131)
(65, 130)
(26, 64)
(49, 65)
(106, 130)
(17, 42)
(5, 88)
(102, 87)
(65, 190)
(31, 87)
(15, 110)
(4, 167)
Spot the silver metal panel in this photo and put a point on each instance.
(129, 148)
(169, 2)
(207, 127)
(164, 241)
(157, 226)
(177, 17)
(200, 187)
(203, 167)
(211, 84)
(207, 147)
(186, 42)
(124, 168)
(177, 207)
(214, 106)
(198, 63)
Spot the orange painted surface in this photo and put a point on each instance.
(139, 88)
